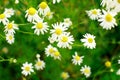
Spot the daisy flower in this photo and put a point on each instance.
(43, 8)
(89, 41)
(40, 27)
(58, 30)
(4, 18)
(49, 14)
(65, 75)
(57, 55)
(51, 39)
(54, 1)
(65, 40)
(107, 20)
(10, 38)
(32, 15)
(49, 51)
(10, 12)
(118, 72)
(39, 65)
(27, 68)
(77, 59)
(67, 22)
(86, 70)
(10, 28)
(94, 14)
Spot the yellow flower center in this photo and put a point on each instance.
(94, 12)
(90, 40)
(64, 39)
(43, 5)
(51, 50)
(10, 37)
(108, 64)
(27, 68)
(67, 21)
(39, 63)
(39, 25)
(118, 1)
(10, 26)
(109, 17)
(87, 71)
(58, 31)
(2, 16)
(56, 54)
(77, 58)
(31, 11)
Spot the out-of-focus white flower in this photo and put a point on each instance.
(40, 64)
(65, 75)
(118, 72)
(56, 1)
(16, 1)
(94, 14)
(67, 22)
(86, 70)
(10, 12)
(10, 38)
(49, 14)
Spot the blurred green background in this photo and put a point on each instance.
(27, 44)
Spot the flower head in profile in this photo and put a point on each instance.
(77, 59)
(43, 8)
(89, 41)
(10, 12)
(94, 14)
(86, 70)
(27, 69)
(32, 15)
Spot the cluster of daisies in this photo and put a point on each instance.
(27, 68)
(77, 60)
(10, 26)
(106, 16)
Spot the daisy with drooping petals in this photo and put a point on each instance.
(65, 40)
(39, 65)
(10, 28)
(54, 1)
(27, 68)
(10, 38)
(50, 50)
(4, 18)
(77, 59)
(10, 12)
(65, 75)
(107, 20)
(43, 8)
(94, 14)
(89, 41)
(86, 70)
(40, 27)
(67, 22)
(58, 30)
(32, 15)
